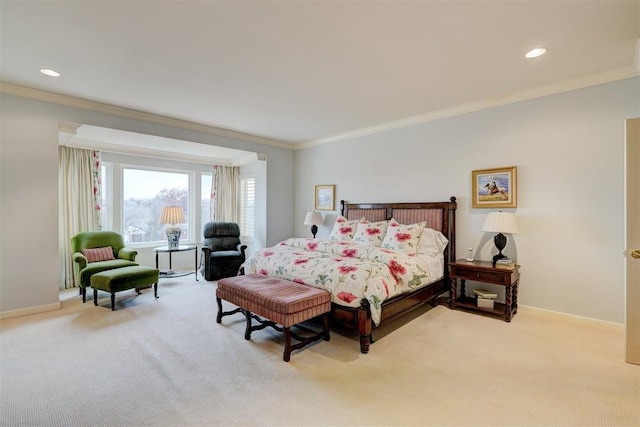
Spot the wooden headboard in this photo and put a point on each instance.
(438, 216)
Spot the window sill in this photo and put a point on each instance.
(153, 245)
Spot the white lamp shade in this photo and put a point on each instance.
(172, 215)
(313, 218)
(500, 222)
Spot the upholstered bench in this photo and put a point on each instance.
(122, 279)
(279, 302)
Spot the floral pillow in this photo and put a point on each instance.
(343, 230)
(370, 233)
(98, 254)
(403, 238)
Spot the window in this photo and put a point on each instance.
(247, 205)
(134, 191)
(205, 197)
(144, 194)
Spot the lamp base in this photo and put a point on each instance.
(500, 241)
(314, 230)
(173, 236)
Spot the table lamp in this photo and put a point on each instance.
(500, 222)
(172, 215)
(313, 219)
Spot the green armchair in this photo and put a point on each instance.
(84, 269)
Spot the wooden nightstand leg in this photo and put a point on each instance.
(507, 303)
(515, 296)
(452, 293)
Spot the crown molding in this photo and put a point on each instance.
(508, 98)
(607, 76)
(70, 101)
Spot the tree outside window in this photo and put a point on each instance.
(145, 193)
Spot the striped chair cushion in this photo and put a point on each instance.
(98, 254)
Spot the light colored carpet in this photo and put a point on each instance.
(166, 362)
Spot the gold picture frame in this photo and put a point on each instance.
(494, 188)
(325, 198)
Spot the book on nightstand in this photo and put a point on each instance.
(483, 293)
(505, 261)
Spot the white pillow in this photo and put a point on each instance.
(370, 233)
(432, 242)
(343, 230)
(403, 237)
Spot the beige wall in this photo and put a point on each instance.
(569, 150)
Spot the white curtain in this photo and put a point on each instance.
(79, 184)
(224, 194)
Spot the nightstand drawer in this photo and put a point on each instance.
(470, 274)
(484, 275)
(463, 273)
(489, 276)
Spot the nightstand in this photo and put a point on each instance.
(483, 271)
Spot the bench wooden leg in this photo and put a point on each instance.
(113, 301)
(247, 331)
(287, 345)
(263, 323)
(95, 297)
(325, 324)
(221, 313)
(219, 316)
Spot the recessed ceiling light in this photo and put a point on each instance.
(534, 53)
(50, 73)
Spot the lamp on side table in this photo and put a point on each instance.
(500, 222)
(313, 219)
(172, 215)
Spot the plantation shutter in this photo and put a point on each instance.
(247, 206)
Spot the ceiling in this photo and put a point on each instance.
(307, 72)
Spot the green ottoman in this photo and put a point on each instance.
(122, 279)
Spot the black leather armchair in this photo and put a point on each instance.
(223, 253)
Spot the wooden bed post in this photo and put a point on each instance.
(451, 229)
(364, 326)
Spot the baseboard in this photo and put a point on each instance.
(30, 310)
(575, 316)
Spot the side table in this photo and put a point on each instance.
(181, 248)
(483, 271)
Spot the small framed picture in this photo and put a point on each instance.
(325, 197)
(494, 188)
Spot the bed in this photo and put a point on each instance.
(381, 261)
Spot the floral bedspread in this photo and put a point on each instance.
(350, 272)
